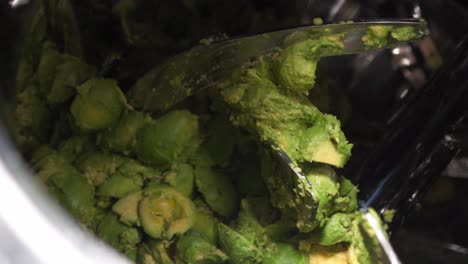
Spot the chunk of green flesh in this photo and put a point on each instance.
(127, 208)
(378, 36)
(282, 253)
(192, 248)
(217, 190)
(118, 235)
(238, 248)
(263, 100)
(164, 212)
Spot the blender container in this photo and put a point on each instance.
(404, 120)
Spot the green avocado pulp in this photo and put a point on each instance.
(268, 97)
(192, 185)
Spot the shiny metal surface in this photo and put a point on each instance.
(389, 255)
(287, 178)
(206, 65)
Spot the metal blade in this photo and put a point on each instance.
(206, 65)
(375, 240)
(290, 189)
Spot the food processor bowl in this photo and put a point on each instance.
(35, 229)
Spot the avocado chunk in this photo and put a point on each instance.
(376, 36)
(119, 185)
(347, 200)
(68, 186)
(99, 104)
(71, 73)
(122, 137)
(325, 187)
(181, 178)
(247, 223)
(127, 208)
(164, 212)
(97, 166)
(205, 223)
(217, 190)
(50, 59)
(33, 119)
(133, 168)
(75, 146)
(281, 253)
(336, 230)
(237, 247)
(287, 118)
(173, 137)
(58, 74)
(192, 248)
(157, 251)
(298, 62)
(118, 235)
(221, 140)
(365, 248)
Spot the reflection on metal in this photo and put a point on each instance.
(417, 11)
(404, 93)
(381, 237)
(403, 56)
(16, 3)
(458, 168)
(336, 8)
